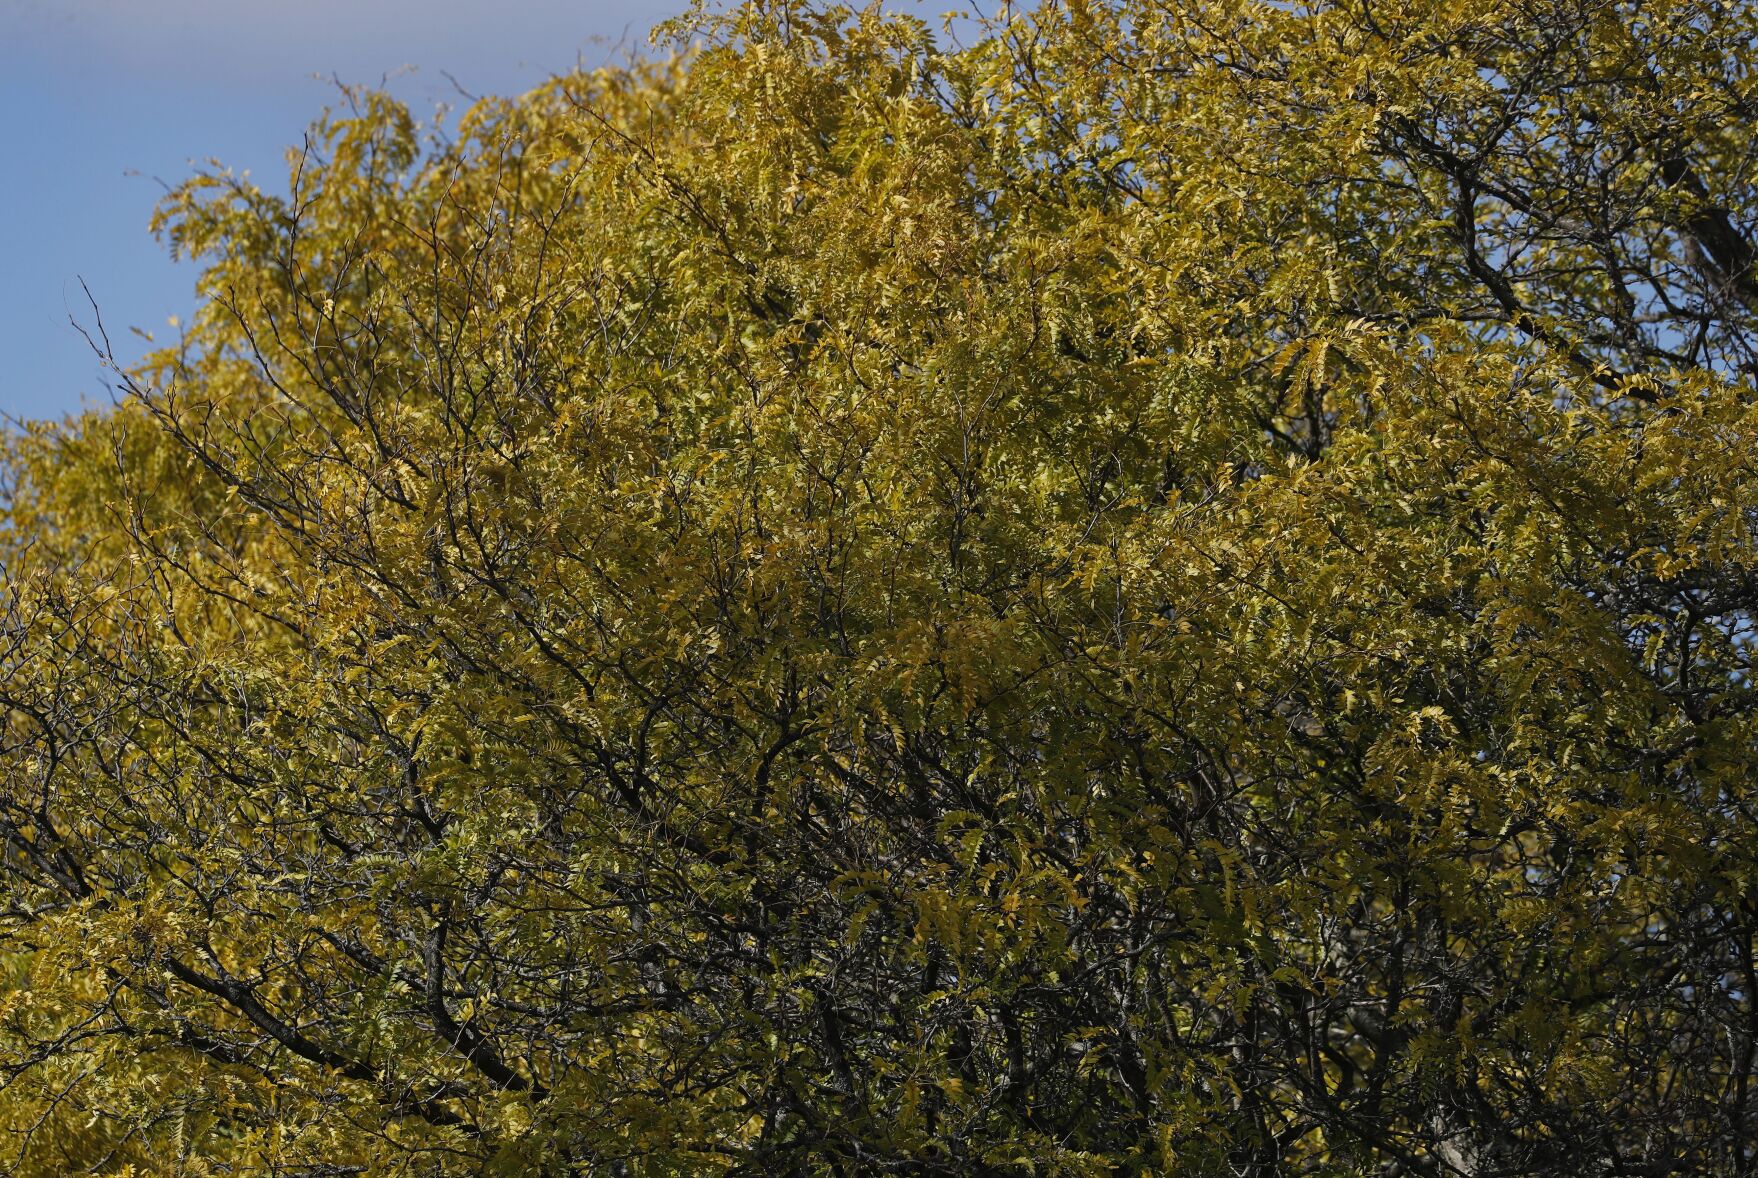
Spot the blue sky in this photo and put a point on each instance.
(104, 99)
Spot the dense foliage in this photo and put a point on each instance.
(1170, 589)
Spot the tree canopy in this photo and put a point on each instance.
(1138, 587)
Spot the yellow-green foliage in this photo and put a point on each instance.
(1171, 591)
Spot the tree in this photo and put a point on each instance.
(1170, 591)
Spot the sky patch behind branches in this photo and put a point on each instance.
(107, 101)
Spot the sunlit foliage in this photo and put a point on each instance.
(1154, 586)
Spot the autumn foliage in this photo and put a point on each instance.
(1136, 587)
